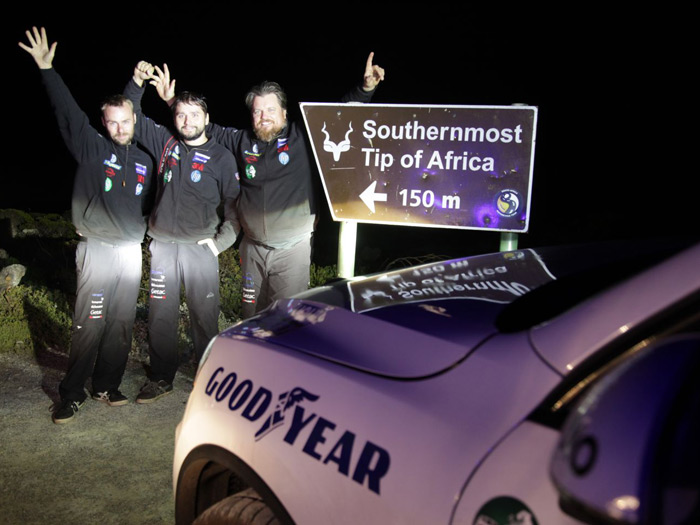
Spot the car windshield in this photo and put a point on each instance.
(508, 291)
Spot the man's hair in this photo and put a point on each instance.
(266, 88)
(189, 97)
(116, 101)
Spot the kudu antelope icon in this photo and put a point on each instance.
(332, 147)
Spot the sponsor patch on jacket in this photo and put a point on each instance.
(174, 156)
(196, 176)
(283, 157)
(112, 162)
(141, 173)
(255, 152)
(250, 171)
(200, 157)
(282, 145)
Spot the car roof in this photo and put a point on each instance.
(664, 293)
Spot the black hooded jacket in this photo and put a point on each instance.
(112, 185)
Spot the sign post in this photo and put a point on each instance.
(347, 240)
(464, 167)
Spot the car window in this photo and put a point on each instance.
(580, 273)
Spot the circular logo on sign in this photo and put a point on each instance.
(250, 171)
(196, 176)
(507, 203)
(284, 157)
(108, 184)
(504, 510)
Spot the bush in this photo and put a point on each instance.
(230, 285)
(38, 314)
(320, 275)
(34, 318)
(20, 224)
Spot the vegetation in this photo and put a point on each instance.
(37, 314)
(34, 317)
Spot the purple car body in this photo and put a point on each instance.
(431, 394)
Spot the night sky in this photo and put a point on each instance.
(609, 160)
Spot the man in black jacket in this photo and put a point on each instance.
(196, 177)
(277, 209)
(109, 210)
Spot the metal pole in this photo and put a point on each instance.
(347, 241)
(509, 241)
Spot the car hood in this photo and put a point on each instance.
(419, 321)
(407, 323)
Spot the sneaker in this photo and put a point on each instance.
(66, 411)
(113, 398)
(153, 390)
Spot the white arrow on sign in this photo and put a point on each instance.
(369, 197)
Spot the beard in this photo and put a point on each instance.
(192, 134)
(123, 139)
(267, 134)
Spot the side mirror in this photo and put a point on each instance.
(630, 450)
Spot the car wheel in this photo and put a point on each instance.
(243, 508)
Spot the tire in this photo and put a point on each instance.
(243, 508)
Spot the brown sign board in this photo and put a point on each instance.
(466, 167)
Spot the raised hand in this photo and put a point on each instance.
(143, 71)
(373, 74)
(164, 86)
(39, 48)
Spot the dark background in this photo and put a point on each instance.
(615, 155)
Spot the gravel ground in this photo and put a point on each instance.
(111, 465)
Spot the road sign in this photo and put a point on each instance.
(464, 167)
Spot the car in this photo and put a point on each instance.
(437, 393)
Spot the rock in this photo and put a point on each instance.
(11, 276)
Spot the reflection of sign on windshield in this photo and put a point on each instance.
(499, 278)
(449, 166)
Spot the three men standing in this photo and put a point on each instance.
(197, 179)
